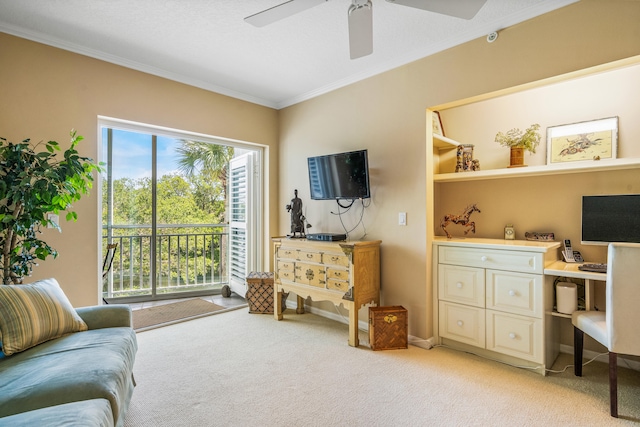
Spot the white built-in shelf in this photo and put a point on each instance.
(442, 142)
(528, 171)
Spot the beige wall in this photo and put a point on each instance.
(386, 114)
(46, 92)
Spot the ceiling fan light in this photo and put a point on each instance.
(360, 28)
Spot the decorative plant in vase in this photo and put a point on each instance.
(519, 141)
(34, 184)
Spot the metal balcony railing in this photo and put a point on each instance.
(188, 257)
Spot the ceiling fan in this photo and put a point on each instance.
(360, 14)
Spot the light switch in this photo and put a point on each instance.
(402, 218)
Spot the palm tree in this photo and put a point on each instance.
(209, 159)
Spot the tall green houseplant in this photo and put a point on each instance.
(36, 182)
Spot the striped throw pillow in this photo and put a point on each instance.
(34, 313)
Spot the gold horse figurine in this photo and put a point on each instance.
(460, 219)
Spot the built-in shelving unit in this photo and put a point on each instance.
(444, 143)
(528, 171)
(476, 119)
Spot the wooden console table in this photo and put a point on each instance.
(344, 273)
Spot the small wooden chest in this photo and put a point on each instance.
(259, 294)
(388, 328)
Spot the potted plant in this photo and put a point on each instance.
(36, 182)
(518, 142)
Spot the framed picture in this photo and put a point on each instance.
(437, 124)
(592, 140)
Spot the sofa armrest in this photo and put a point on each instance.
(106, 316)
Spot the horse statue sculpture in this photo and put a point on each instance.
(460, 219)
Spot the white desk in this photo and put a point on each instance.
(564, 269)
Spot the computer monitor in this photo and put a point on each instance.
(610, 218)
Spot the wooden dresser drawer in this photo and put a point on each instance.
(335, 259)
(288, 253)
(514, 335)
(285, 265)
(512, 260)
(518, 293)
(461, 284)
(335, 273)
(462, 323)
(288, 275)
(337, 285)
(310, 256)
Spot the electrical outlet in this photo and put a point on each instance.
(402, 218)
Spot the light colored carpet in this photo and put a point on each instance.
(162, 315)
(241, 369)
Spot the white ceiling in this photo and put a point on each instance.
(206, 43)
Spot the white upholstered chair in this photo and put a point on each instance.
(617, 327)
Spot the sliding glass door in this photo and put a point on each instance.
(165, 203)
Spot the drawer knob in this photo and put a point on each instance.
(512, 335)
(512, 293)
(459, 285)
(483, 258)
(460, 322)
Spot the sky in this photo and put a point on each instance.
(132, 154)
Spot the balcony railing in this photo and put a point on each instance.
(189, 257)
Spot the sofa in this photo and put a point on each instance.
(60, 365)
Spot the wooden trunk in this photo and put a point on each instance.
(388, 328)
(260, 292)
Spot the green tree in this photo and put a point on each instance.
(34, 183)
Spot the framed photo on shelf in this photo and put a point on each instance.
(437, 123)
(591, 140)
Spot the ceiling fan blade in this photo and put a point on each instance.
(360, 28)
(465, 9)
(281, 11)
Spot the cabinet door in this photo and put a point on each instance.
(514, 335)
(461, 284)
(518, 293)
(309, 274)
(462, 323)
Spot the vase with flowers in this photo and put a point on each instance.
(519, 142)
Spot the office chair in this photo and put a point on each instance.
(615, 328)
(108, 262)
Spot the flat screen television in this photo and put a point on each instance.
(339, 176)
(611, 218)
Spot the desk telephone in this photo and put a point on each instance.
(569, 254)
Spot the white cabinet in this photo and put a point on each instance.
(491, 298)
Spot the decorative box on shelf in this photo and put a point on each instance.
(260, 292)
(388, 328)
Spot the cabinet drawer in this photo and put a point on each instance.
(518, 293)
(461, 284)
(310, 274)
(337, 285)
(335, 259)
(525, 262)
(462, 323)
(335, 273)
(288, 253)
(285, 265)
(285, 275)
(514, 335)
(310, 256)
